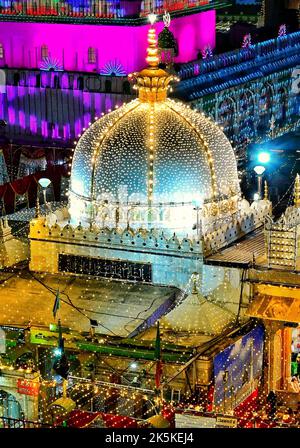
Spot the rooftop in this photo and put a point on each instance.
(241, 253)
(119, 308)
(209, 76)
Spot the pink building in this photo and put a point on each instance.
(96, 47)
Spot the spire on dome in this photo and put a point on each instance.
(152, 82)
(152, 50)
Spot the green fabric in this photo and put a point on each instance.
(157, 351)
(294, 368)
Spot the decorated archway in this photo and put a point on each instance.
(10, 408)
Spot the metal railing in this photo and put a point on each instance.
(9, 422)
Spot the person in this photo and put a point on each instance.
(298, 366)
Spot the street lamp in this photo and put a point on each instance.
(259, 170)
(263, 157)
(44, 184)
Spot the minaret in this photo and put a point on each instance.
(297, 192)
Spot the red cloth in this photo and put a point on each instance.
(158, 373)
(81, 419)
(28, 184)
(20, 186)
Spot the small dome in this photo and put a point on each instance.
(166, 40)
(195, 314)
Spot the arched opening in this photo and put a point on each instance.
(227, 113)
(44, 51)
(246, 109)
(126, 87)
(56, 83)
(107, 86)
(10, 409)
(265, 109)
(80, 83)
(16, 79)
(91, 55)
(283, 105)
(38, 81)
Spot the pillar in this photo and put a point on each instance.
(286, 355)
(269, 380)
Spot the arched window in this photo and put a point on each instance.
(56, 83)
(38, 80)
(1, 51)
(44, 51)
(80, 83)
(16, 79)
(126, 88)
(91, 55)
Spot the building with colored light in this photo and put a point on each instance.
(39, 38)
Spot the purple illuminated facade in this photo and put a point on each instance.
(89, 48)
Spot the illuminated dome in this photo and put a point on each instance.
(148, 163)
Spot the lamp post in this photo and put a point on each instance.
(44, 184)
(259, 170)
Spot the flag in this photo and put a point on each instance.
(157, 357)
(56, 304)
(61, 364)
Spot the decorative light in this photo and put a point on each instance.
(44, 182)
(264, 157)
(133, 366)
(259, 170)
(152, 18)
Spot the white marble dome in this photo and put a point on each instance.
(152, 162)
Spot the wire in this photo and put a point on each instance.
(243, 278)
(70, 303)
(143, 311)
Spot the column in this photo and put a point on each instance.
(269, 381)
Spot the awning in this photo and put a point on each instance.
(276, 303)
(64, 404)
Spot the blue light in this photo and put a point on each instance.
(113, 68)
(264, 157)
(58, 352)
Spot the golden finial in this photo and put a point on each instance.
(297, 192)
(266, 195)
(152, 50)
(152, 82)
